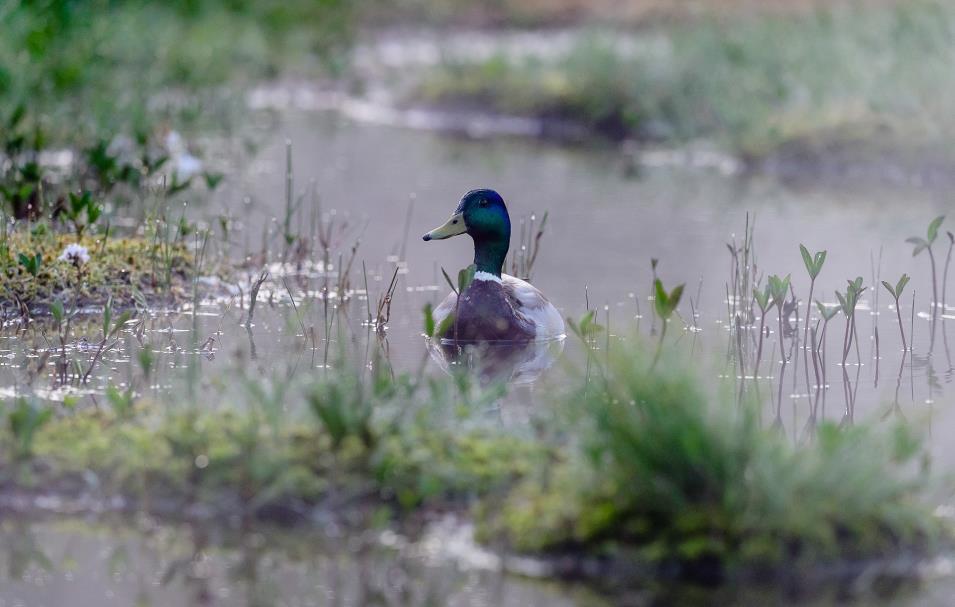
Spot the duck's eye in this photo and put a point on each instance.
(483, 202)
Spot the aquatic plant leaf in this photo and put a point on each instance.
(586, 327)
(890, 289)
(806, 258)
(900, 286)
(31, 264)
(844, 304)
(675, 295)
(93, 212)
(466, 277)
(933, 228)
(446, 325)
(827, 312)
(213, 179)
(659, 299)
(762, 298)
(779, 287)
(429, 320)
(919, 243)
(58, 311)
(588, 324)
(820, 260)
(855, 286)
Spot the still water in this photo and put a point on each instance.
(381, 188)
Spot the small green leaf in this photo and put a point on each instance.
(890, 289)
(762, 298)
(933, 228)
(919, 243)
(819, 261)
(446, 325)
(660, 300)
(827, 312)
(466, 277)
(806, 258)
(58, 311)
(843, 303)
(429, 320)
(674, 298)
(900, 286)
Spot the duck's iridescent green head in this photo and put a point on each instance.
(481, 214)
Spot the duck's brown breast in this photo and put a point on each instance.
(485, 312)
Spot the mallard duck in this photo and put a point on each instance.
(495, 306)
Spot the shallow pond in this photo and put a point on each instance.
(607, 217)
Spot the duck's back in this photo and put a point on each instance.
(505, 309)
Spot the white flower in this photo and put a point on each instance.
(76, 254)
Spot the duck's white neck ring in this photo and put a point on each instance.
(488, 276)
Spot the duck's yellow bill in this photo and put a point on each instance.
(453, 227)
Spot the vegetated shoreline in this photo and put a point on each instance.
(845, 90)
(122, 272)
(716, 506)
(835, 158)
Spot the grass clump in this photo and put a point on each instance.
(124, 268)
(657, 473)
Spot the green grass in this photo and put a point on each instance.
(753, 83)
(126, 269)
(638, 465)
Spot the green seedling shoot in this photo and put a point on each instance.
(827, 313)
(82, 206)
(814, 265)
(31, 264)
(587, 328)
(764, 302)
(925, 244)
(948, 261)
(847, 304)
(896, 293)
(778, 288)
(665, 304)
(465, 278)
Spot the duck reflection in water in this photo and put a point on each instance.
(515, 363)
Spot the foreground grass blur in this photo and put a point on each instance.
(639, 466)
